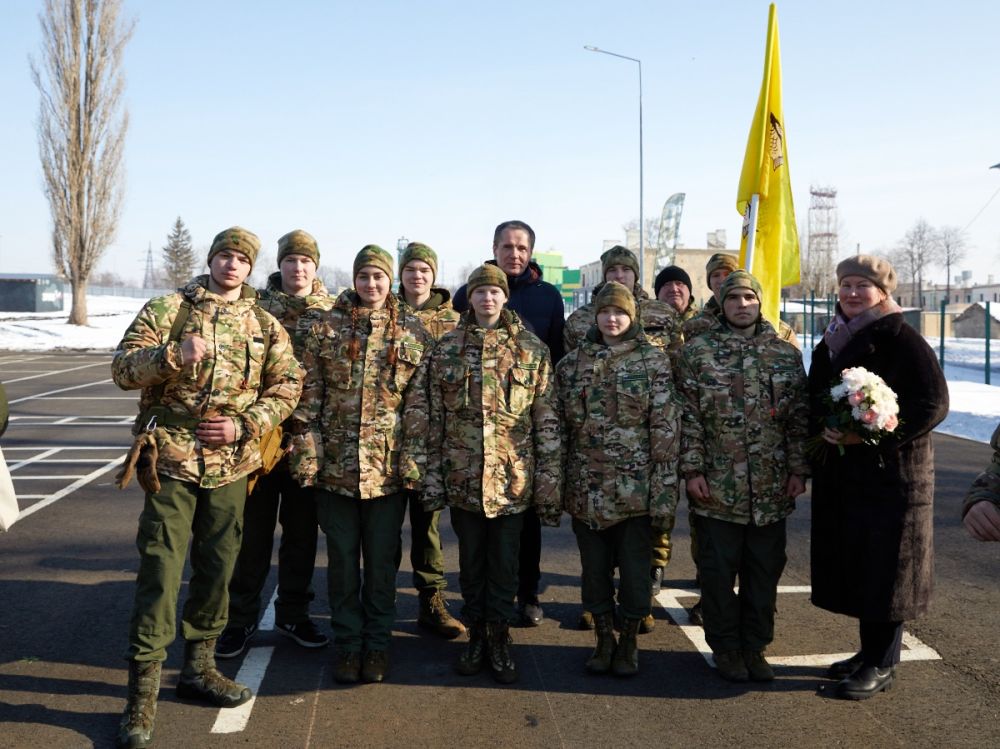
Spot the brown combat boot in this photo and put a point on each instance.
(375, 666)
(136, 728)
(201, 680)
(434, 615)
(604, 631)
(626, 659)
(647, 624)
(346, 666)
(498, 645)
(470, 662)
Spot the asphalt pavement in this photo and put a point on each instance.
(67, 570)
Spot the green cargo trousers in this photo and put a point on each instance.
(426, 551)
(488, 558)
(361, 614)
(756, 555)
(626, 544)
(276, 498)
(211, 519)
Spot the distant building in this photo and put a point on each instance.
(31, 292)
(972, 322)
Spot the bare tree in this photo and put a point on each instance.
(81, 132)
(951, 246)
(178, 255)
(917, 250)
(334, 278)
(651, 237)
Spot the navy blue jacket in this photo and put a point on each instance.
(538, 303)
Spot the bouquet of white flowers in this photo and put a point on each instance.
(860, 402)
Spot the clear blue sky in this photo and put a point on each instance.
(436, 120)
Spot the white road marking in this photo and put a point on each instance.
(70, 448)
(97, 473)
(668, 598)
(58, 371)
(133, 398)
(251, 673)
(46, 478)
(37, 459)
(59, 390)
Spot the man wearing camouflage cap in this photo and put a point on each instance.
(296, 297)
(216, 372)
(744, 425)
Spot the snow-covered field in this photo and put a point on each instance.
(975, 407)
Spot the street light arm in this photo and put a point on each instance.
(591, 48)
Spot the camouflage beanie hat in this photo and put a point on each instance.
(878, 270)
(235, 238)
(372, 254)
(419, 251)
(740, 279)
(619, 255)
(487, 275)
(298, 242)
(720, 260)
(614, 294)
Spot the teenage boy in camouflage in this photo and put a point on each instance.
(432, 306)
(494, 451)
(620, 437)
(744, 425)
(295, 297)
(210, 388)
(661, 327)
(360, 431)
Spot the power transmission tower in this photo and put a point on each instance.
(149, 280)
(824, 244)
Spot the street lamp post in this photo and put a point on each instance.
(642, 228)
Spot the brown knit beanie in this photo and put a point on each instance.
(740, 279)
(372, 254)
(419, 251)
(614, 294)
(619, 255)
(487, 274)
(235, 238)
(878, 270)
(298, 242)
(720, 260)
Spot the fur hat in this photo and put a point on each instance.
(671, 273)
(619, 255)
(419, 251)
(740, 279)
(372, 254)
(878, 270)
(235, 238)
(720, 260)
(487, 274)
(614, 294)
(298, 242)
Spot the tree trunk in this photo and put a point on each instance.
(78, 312)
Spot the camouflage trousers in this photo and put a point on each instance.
(211, 520)
(361, 612)
(488, 551)
(625, 544)
(276, 498)
(755, 554)
(426, 551)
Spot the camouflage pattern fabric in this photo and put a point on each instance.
(436, 314)
(494, 436)
(361, 426)
(621, 432)
(225, 383)
(711, 315)
(986, 486)
(659, 321)
(744, 422)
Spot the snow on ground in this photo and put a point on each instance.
(975, 407)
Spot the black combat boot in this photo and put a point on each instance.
(498, 644)
(470, 662)
(626, 660)
(201, 680)
(136, 728)
(604, 630)
(434, 615)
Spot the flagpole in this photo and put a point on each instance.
(751, 231)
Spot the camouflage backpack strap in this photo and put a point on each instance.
(264, 319)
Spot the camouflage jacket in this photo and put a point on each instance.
(494, 433)
(436, 313)
(227, 382)
(621, 431)
(711, 315)
(659, 321)
(986, 486)
(361, 425)
(744, 422)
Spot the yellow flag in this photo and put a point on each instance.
(765, 172)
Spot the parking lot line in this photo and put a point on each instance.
(251, 673)
(58, 390)
(36, 459)
(83, 481)
(57, 371)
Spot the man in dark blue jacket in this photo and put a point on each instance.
(540, 306)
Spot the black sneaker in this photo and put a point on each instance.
(304, 633)
(234, 640)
